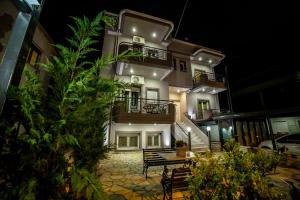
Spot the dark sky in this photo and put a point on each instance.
(259, 38)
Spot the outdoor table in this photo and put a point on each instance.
(171, 156)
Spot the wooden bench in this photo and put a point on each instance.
(176, 183)
(151, 158)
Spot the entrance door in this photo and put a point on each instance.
(203, 107)
(177, 106)
(153, 140)
(134, 100)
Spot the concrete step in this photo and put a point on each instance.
(200, 149)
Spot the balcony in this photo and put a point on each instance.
(150, 55)
(207, 114)
(208, 83)
(143, 111)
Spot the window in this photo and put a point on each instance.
(152, 94)
(128, 141)
(153, 140)
(182, 65)
(133, 141)
(174, 64)
(122, 141)
(33, 57)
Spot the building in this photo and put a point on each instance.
(171, 86)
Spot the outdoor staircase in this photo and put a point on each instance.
(198, 143)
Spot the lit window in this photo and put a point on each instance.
(33, 57)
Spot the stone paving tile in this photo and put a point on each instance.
(122, 178)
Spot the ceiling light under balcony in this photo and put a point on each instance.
(129, 124)
(200, 58)
(154, 35)
(203, 89)
(210, 61)
(214, 91)
(154, 74)
(155, 124)
(133, 29)
(131, 71)
(178, 90)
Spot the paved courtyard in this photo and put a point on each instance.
(122, 178)
(121, 175)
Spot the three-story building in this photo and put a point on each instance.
(170, 86)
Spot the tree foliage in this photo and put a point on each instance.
(51, 143)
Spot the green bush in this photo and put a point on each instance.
(237, 175)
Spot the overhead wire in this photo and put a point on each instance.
(183, 11)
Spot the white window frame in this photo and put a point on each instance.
(128, 135)
(153, 134)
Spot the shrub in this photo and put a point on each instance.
(236, 176)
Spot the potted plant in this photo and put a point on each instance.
(181, 147)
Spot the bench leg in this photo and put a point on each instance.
(146, 172)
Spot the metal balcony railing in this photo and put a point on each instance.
(149, 54)
(207, 114)
(207, 77)
(141, 105)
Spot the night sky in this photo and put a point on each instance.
(260, 39)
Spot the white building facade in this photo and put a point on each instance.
(171, 82)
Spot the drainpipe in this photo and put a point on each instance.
(14, 59)
(270, 129)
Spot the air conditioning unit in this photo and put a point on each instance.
(139, 80)
(138, 40)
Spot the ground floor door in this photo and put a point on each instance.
(177, 106)
(153, 139)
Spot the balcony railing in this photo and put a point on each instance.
(149, 54)
(140, 110)
(208, 78)
(207, 114)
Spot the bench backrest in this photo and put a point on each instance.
(149, 154)
(179, 179)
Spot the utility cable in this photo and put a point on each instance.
(181, 17)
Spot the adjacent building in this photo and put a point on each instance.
(172, 86)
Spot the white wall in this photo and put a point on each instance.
(143, 129)
(150, 83)
(192, 101)
(286, 124)
(150, 44)
(108, 49)
(161, 85)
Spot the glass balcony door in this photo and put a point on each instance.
(203, 108)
